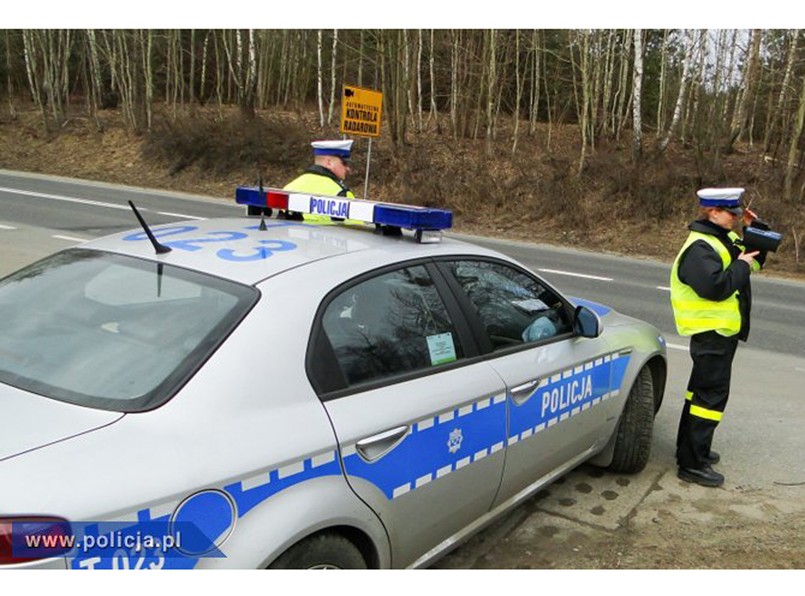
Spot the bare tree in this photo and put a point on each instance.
(751, 73)
(687, 62)
(793, 146)
(319, 79)
(518, 91)
(637, 120)
(434, 110)
(491, 84)
(533, 110)
(777, 114)
(332, 78)
(582, 41)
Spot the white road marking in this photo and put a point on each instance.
(664, 288)
(2, 227)
(677, 347)
(43, 195)
(180, 215)
(69, 238)
(571, 274)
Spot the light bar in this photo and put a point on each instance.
(409, 217)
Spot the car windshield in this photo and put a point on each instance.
(110, 331)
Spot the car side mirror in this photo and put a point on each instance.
(586, 323)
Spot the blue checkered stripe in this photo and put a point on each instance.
(567, 393)
(247, 494)
(252, 491)
(435, 447)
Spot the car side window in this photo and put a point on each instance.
(391, 324)
(514, 308)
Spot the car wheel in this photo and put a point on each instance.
(322, 551)
(633, 441)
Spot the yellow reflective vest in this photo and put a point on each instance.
(318, 184)
(694, 314)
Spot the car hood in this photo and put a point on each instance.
(31, 421)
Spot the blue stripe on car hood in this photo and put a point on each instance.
(599, 309)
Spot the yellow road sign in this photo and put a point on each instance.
(361, 110)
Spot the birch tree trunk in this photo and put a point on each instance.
(583, 104)
(777, 114)
(624, 90)
(12, 109)
(319, 77)
(518, 91)
(192, 86)
(332, 78)
(95, 89)
(533, 108)
(661, 94)
(680, 98)
(609, 73)
(741, 114)
(491, 83)
(360, 60)
(146, 41)
(29, 53)
(692, 102)
(420, 120)
(637, 121)
(454, 58)
(204, 53)
(434, 110)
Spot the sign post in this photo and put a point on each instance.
(361, 111)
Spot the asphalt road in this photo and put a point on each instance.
(760, 439)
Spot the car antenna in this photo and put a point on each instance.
(159, 248)
(262, 227)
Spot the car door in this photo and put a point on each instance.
(421, 426)
(556, 382)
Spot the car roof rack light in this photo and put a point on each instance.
(427, 223)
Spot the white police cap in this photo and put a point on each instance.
(726, 198)
(340, 148)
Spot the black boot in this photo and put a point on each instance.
(705, 476)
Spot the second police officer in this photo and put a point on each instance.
(711, 299)
(326, 175)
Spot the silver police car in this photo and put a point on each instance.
(261, 392)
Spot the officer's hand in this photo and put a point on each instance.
(749, 216)
(749, 257)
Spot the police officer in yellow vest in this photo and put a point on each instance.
(711, 298)
(326, 175)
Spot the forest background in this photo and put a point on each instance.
(595, 138)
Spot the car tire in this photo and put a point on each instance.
(636, 426)
(322, 551)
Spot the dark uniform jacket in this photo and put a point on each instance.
(701, 268)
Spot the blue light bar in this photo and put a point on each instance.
(413, 218)
(409, 217)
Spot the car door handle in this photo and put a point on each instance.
(522, 393)
(374, 447)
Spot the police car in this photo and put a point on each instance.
(263, 392)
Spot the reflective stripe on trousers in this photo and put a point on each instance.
(701, 412)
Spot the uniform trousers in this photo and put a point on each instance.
(708, 391)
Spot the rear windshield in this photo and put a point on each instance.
(109, 331)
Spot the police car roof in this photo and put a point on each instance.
(236, 249)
